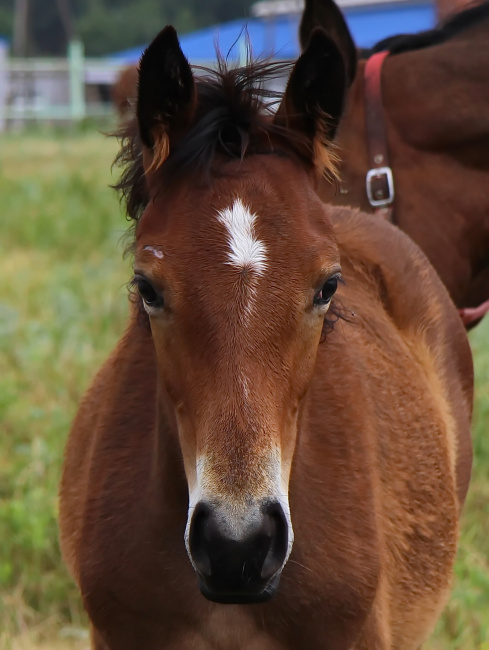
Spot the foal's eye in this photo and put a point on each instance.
(150, 297)
(327, 291)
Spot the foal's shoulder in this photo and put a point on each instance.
(393, 276)
(387, 262)
(390, 269)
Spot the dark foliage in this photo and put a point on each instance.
(106, 26)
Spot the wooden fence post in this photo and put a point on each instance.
(76, 63)
(4, 80)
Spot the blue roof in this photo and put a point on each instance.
(278, 35)
(371, 24)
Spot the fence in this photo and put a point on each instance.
(66, 90)
(55, 90)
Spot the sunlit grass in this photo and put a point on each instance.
(63, 304)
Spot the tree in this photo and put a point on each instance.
(106, 26)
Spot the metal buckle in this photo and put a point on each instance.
(375, 175)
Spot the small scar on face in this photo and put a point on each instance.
(155, 250)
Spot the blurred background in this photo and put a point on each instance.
(60, 59)
(63, 298)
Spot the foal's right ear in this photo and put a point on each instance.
(327, 14)
(313, 101)
(166, 96)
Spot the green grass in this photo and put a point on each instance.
(63, 304)
(465, 622)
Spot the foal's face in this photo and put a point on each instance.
(236, 276)
(237, 279)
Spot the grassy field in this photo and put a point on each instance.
(63, 304)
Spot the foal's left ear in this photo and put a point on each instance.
(166, 96)
(313, 101)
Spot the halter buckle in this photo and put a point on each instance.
(380, 186)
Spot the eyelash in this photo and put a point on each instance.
(150, 297)
(328, 289)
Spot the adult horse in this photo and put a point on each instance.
(447, 8)
(435, 90)
(124, 91)
(248, 437)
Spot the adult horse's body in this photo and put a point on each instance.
(124, 91)
(447, 8)
(435, 90)
(339, 467)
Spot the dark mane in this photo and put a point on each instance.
(445, 31)
(232, 119)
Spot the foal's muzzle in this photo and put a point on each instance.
(242, 568)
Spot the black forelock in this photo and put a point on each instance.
(233, 118)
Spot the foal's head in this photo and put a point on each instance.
(236, 264)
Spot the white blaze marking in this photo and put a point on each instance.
(244, 383)
(247, 252)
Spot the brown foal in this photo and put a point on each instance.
(276, 454)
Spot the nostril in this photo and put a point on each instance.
(275, 525)
(233, 564)
(199, 539)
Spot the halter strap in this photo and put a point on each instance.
(379, 179)
(471, 314)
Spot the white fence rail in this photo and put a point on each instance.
(55, 90)
(65, 90)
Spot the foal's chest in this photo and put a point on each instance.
(228, 627)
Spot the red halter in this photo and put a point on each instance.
(379, 180)
(471, 314)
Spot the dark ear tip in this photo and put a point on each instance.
(169, 32)
(167, 38)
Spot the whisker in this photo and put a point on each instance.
(301, 565)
